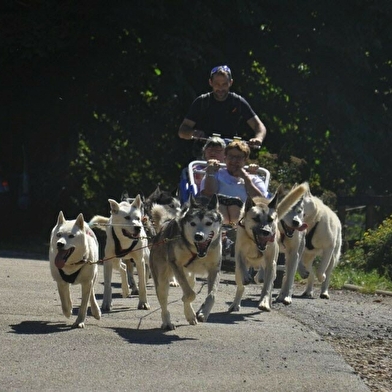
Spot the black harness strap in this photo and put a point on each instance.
(69, 278)
(309, 237)
(120, 252)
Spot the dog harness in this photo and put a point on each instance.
(69, 278)
(309, 237)
(120, 252)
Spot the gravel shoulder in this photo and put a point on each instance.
(359, 327)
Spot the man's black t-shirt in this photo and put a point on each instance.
(228, 117)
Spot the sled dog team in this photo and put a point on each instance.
(185, 242)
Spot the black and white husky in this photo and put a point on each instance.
(186, 246)
(125, 239)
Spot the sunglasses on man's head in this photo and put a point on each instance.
(219, 68)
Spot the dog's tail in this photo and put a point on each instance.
(160, 215)
(99, 222)
(291, 198)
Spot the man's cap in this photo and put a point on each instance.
(219, 68)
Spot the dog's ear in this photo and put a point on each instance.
(154, 195)
(137, 202)
(175, 192)
(80, 221)
(213, 204)
(280, 191)
(192, 200)
(60, 218)
(249, 203)
(114, 207)
(124, 196)
(274, 201)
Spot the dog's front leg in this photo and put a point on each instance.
(65, 298)
(122, 268)
(188, 293)
(212, 284)
(131, 279)
(269, 277)
(292, 255)
(240, 272)
(141, 271)
(107, 289)
(95, 311)
(86, 292)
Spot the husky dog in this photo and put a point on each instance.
(172, 204)
(324, 239)
(165, 198)
(257, 243)
(292, 230)
(73, 256)
(126, 239)
(187, 245)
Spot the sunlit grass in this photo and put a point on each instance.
(369, 281)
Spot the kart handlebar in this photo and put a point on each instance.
(228, 140)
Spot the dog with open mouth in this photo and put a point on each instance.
(172, 204)
(125, 239)
(292, 230)
(257, 243)
(187, 245)
(323, 240)
(73, 257)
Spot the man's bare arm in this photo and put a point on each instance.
(186, 129)
(259, 129)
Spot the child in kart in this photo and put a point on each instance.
(232, 183)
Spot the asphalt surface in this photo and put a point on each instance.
(126, 350)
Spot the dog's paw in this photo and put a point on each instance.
(144, 306)
(247, 280)
(106, 307)
(201, 317)
(234, 308)
(134, 290)
(265, 305)
(324, 296)
(168, 327)
(285, 299)
(78, 325)
(193, 321)
(125, 292)
(308, 295)
(174, 283)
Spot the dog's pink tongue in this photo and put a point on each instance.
(303, 227)
(60, 259)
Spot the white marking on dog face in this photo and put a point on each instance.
(68, 242)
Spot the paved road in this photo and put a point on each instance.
(126, 350)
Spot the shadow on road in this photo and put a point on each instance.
(39, 327)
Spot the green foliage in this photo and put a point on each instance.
(104, 99)
(374, 251)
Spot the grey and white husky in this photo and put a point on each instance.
(188, 245)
